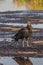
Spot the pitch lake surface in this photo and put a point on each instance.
(7, 5)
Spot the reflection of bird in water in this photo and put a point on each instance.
(23, 34)
(22, 61)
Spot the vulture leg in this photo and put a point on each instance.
(23, 44)
(28, 43)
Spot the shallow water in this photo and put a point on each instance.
(10, 61)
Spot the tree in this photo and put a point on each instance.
(30, 4)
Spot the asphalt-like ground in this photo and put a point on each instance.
(10, 47)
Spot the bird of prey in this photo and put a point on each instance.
(23, 34)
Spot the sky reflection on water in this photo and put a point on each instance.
(10, 61)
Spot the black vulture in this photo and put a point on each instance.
(23, 33)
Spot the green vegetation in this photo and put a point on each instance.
(32, 4)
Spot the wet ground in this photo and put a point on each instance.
(7, 5)
(11, 19)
